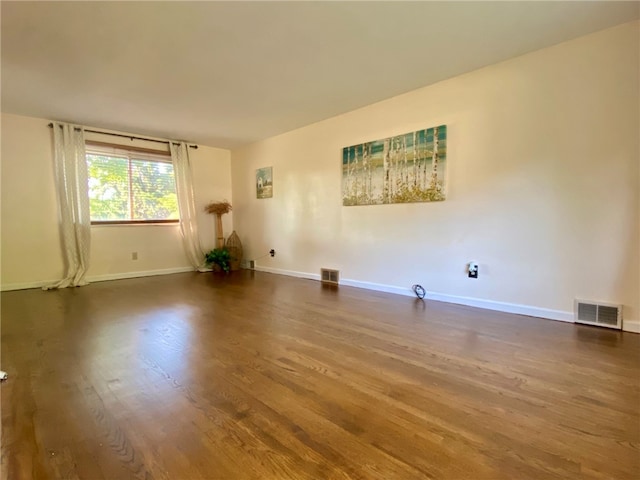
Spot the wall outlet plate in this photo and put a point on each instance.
(472, 268)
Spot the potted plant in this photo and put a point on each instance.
(219, 258)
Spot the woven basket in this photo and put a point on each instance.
(234, 245)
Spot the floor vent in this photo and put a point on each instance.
(329, 276)
(599, 314)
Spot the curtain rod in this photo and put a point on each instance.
(131, 137)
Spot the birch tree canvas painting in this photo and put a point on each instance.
(402, 169)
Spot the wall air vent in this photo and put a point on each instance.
(597, 313)
(329, 276)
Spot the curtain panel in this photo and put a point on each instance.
(187, 205)
(72, 188)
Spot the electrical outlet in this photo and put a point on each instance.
(272, 252)
(134, 255)
(472, 268)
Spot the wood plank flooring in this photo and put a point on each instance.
(259, 376)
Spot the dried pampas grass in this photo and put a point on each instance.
(218, 208)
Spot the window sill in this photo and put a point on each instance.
(156, 223)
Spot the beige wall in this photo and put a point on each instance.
(31, 252)
(543, 184)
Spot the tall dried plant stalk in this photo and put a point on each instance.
(218, 208)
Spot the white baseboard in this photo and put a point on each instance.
(559, 315)
(99, 278)
(26, 286)
(563, 316)
(147, 273)
(469, 301)
(631, 326)
(379, 287)
(290, 273)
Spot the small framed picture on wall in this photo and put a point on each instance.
(264, 182)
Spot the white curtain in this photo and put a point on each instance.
(187, 205)
(73, 202)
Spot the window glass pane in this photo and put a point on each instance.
(127, 187)
(154, 190)
(108, 187)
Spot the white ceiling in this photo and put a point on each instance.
(228, 73)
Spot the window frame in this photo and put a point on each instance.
(152, 155)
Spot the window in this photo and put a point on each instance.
(131, 187)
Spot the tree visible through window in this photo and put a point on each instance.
(131, 188)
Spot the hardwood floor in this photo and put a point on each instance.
(259, 376)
